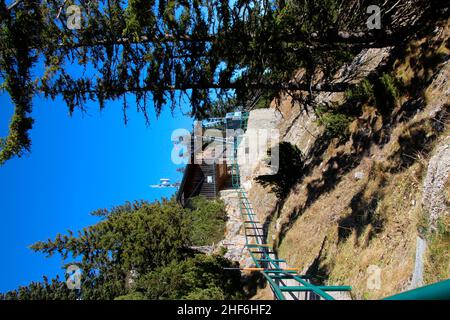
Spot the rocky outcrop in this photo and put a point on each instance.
(261, 134)
(436, 184)
(299, 123)
(435, 188)
(349, 202)
(438, 93)
(234, 240)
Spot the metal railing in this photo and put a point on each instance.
(436, 291)
(262, 253)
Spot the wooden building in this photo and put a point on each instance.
(208, 172)
(202, 179)
(206, 175)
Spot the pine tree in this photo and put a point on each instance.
(162, 51)
(143, 242)
(138, 236)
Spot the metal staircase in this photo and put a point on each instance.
(286, 283)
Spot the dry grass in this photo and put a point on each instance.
(374, 220)
(263, 294)
(393, 248)
(347, 261)
(437, 264)
(386, 239)
(415, 62)
(404, 68)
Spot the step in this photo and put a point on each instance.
(271, 260)
(262, 252)
(258, 245)
(280, 271)
(289, 276)
(313, 288)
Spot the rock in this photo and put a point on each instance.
(234, 241)
(258, 138)
(438, 93)
(434, 188)
(417, 278)
(359, 175)
(278, 225)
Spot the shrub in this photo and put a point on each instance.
(362, 92)
(199, 277)
(208, 221)
(289, 172)
(437, 267)
(336, 123)
(383, 92)
(386, 92)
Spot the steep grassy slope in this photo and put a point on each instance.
(358, 203)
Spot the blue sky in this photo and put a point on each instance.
(77, 164)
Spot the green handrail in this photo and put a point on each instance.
(436, 291)
(272, 270)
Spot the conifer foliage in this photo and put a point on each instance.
(140, 250)
(164, 52)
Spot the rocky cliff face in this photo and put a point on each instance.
(436, 184)
(234, 240)
(360, 203)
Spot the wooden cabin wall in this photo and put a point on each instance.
(199, 174)
(221, 175)
(193, 178)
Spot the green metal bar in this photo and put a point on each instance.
(270, 260)
(314, 288)
(255, 245)
(311, 288)
(247, 214)
(288, 276)
(280, 271)
(436, 291)
(276, 289)
(263, 252)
